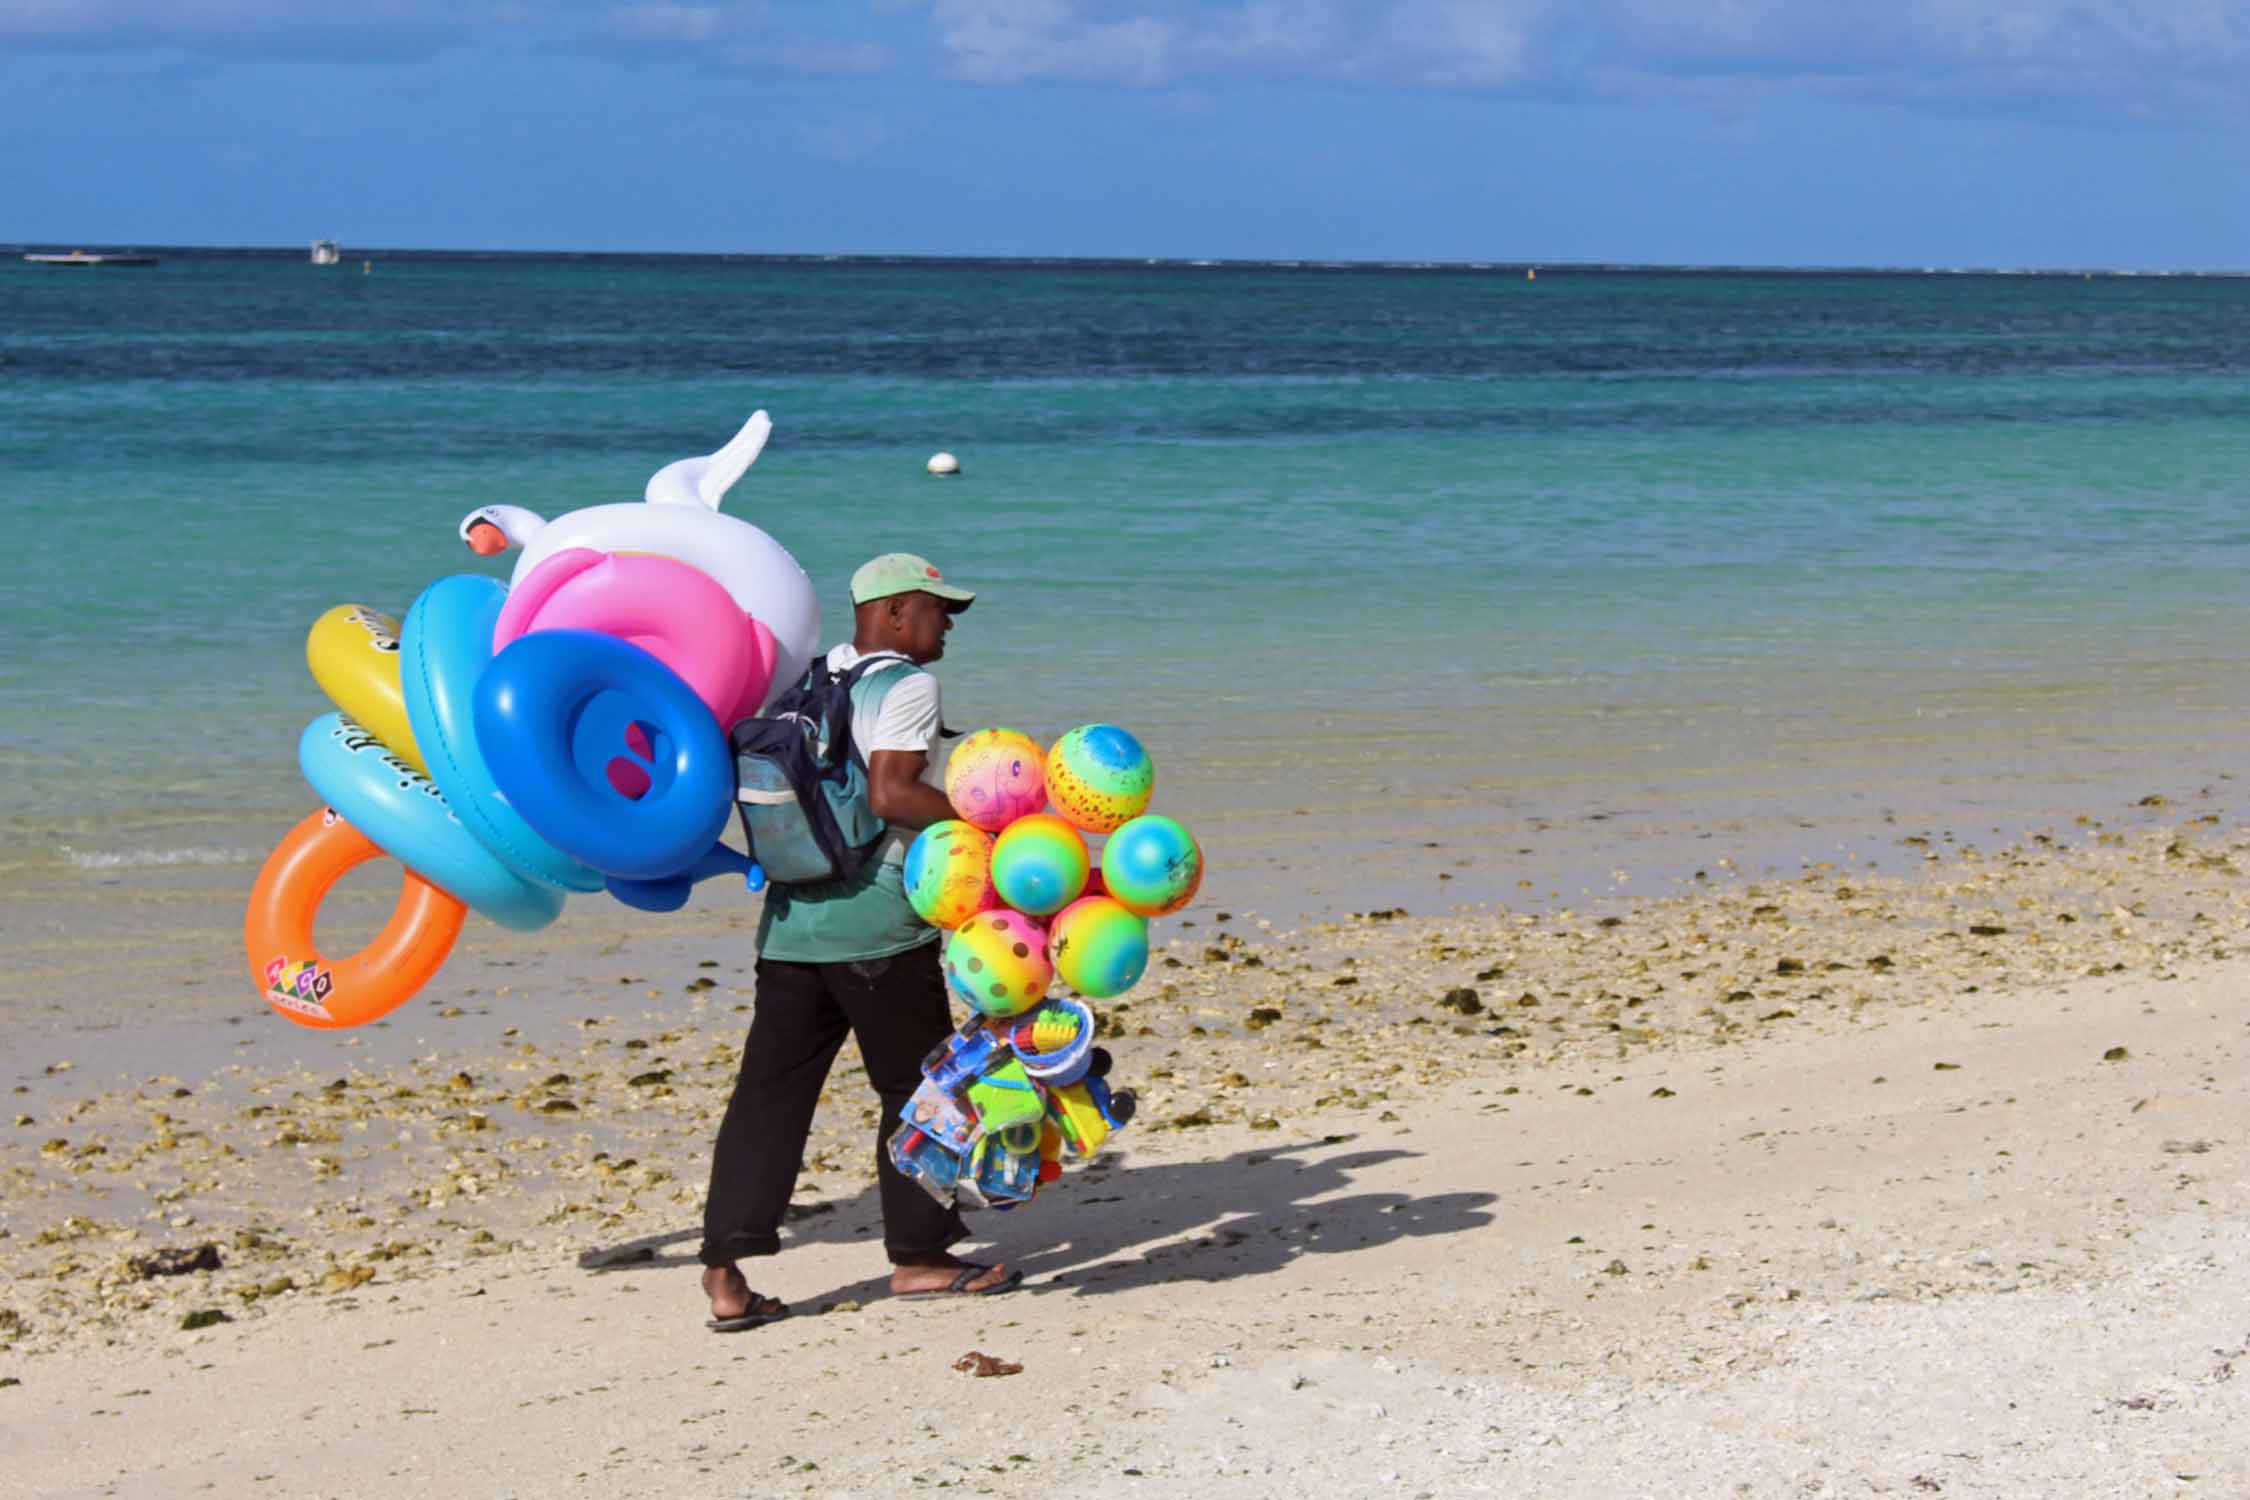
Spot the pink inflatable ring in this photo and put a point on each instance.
(678, 614)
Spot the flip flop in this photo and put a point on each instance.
(959, 1286)
(752, 1318)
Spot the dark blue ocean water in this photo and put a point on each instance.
(1469, 527)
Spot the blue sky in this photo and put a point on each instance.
(1781, 132)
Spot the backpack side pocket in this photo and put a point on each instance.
(794, 836)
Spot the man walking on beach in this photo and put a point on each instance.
(850, 955)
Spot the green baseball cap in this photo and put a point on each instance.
(904, 573)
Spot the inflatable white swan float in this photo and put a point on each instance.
(679, 519)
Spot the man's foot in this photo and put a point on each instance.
(734, 1306)
(954, 1278)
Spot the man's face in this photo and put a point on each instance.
(922, 624)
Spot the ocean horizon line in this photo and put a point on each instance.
(1515, 267)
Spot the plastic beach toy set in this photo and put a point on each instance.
(1026, 903)
(511, 744)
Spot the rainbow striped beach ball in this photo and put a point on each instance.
(1152, 865)
(1039, 864)
(1099, 948)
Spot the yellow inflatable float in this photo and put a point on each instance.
(353, 653)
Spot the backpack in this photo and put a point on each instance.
(805, 813)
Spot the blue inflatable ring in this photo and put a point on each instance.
(403, 811)
(443, 649)
(570, 719)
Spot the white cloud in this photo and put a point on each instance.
(2096, 60)
(1464, 44)
(1461, 43)
(1932, 36)
(2145, 53)
(2101, 58)
(660, 23)
(374, 31)
(1015, 41)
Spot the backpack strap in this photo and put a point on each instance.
(837, 730)
(867, 664)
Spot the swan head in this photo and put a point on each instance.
(491, 529)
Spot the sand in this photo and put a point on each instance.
(1928, 1181)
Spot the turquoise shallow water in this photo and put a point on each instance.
(1356, 536)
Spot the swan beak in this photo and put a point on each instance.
(486, 539)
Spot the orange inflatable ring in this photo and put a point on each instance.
(305, 984)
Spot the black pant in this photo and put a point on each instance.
(897, 1006)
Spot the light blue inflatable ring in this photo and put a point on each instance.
(565, 716)
(444, 648)
(403, 811)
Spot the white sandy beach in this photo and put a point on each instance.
(1988, 1239)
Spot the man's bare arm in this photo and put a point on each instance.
(899, 795)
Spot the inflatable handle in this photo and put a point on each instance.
(671, 894)
(553, 712)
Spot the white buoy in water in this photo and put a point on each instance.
(944, 463)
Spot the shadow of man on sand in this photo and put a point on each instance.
(1242, 1215)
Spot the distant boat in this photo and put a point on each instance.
(325, 253)
(81, 258)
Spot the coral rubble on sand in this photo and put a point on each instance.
(324, 1185)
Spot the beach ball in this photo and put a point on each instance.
(1039, 864)
(995, 777)
(997, 962)
(1152, 865)
(1098, 947)
(1099, 777)
(949, 873)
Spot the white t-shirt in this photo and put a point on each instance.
(908, 719)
